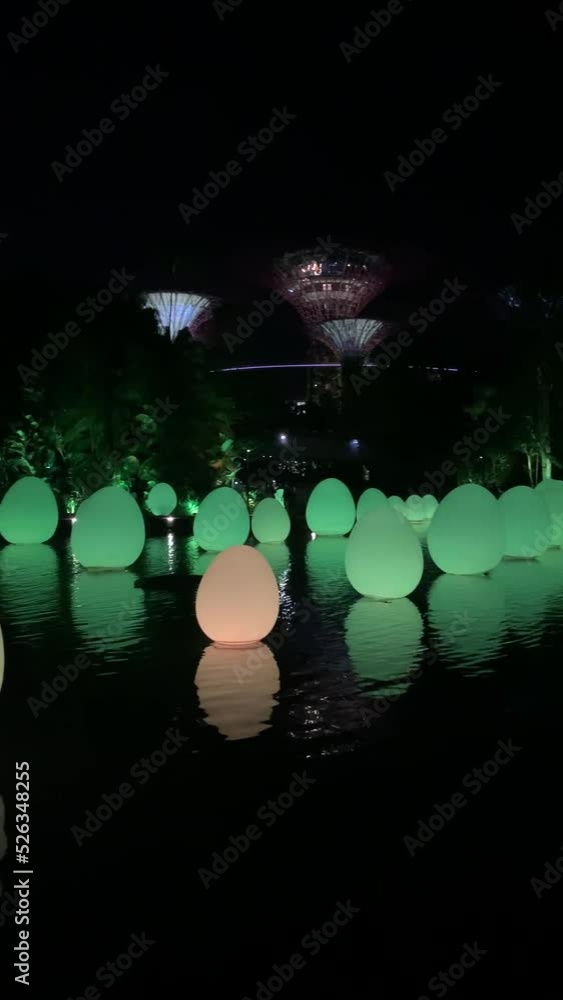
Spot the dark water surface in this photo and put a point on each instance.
(384, 706)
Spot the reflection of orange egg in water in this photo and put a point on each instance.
(237, 601)
(237, 688)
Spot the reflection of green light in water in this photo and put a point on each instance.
(160, 556)
(330, 508)
(237, 688)
(197, 560)
(524, 584)
(552, 564)
(28, 513)
(325, 566)
(277, 556)
(108, 611)
(384, 642)
(29, 587)
(369, 500)
(469, 616)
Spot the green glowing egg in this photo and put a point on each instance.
(162, 500)
(369, 500)
(109, 531)
(466, 534)
(552, 492)
(28, 512)
(270, 521)
(330, 509)
(526, 521)
(414, 508)
(383, 556)
(222, 520)
(429, 506)
(397, 504)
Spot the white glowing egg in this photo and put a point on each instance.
(526, 520)
(429, 506)
(330, 509)
(270, 521)
(552, 492)
(414, 508)
(384, 556)
(369, 500)
(466, 534)
(109, 531)
(237, 601)
(162, 500)
(29, 512)
(222, 520)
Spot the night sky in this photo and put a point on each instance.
(321, 176)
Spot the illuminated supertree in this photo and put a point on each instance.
(180, 311)
(329, 291)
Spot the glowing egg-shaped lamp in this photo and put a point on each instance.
(552, 492)
(414, 508)
(109, 531)
(526, 518)
(330, 509)
(383, 556)
(222, 520)
(466, 534)
(397, 504)
(237, 601)
(429, 506)
(28, 512)
(237, 689)
(270, 521)
(162, 500)
(369, 500)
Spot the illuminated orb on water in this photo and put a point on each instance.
(330, 509)
(383, 556)
(109, 531)
(552, 492)
(270, 521)
(369, 500)
(162, 500)
(237, 601)
(28, 512)
(526, 518)
(222, 520)
(414, 509)
(466, 534)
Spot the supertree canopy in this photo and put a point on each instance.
(329, 290)
(347, 337)
(180, 311)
